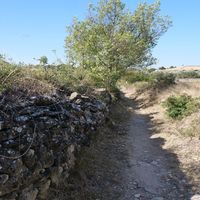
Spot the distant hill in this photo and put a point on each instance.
(186, 68)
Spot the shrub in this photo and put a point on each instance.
(158, 79)
(137, 76)
(150, 70)
(164, 79)
(62, 77)
(180, 106)
(162, 68)
(144, 80)
(189, 74)
(8, 74)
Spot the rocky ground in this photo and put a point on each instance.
(127, 161)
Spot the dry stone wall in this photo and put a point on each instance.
(40, 137)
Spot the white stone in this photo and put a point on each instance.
(137, 195)
(196, 197)
(73, 96)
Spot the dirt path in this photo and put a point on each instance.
(126, 162)
(152, 168)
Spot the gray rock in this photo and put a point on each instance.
(51, 132)
(22, 118)
(18, 129)
(40, 113)
(137, 195)
(154, 163)
(1, 125)
(158, 198)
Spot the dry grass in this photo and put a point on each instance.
(190, 126)
(191, 88)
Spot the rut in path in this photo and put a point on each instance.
(126, 162)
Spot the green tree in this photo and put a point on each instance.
(162, 68)
(111, 39)
(43, 60)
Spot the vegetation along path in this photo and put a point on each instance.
(126, 162)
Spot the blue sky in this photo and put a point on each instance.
(30, 29)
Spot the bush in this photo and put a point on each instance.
(150, 70)
(145, 80)
(162, 68)
(180, 106)
(164, 79)
(137, 76)
(189, 74)
(8, 74)
(63, 77)
(158, 79)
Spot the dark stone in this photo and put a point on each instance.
(44, 137)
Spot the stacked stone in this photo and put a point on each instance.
(39, 140)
